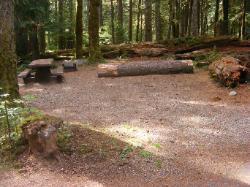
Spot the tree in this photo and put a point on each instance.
(61, 39)
(112, 20)
(216, 17)
(148, 20)
(130, 28)
(158, 24)
(225, 17)
(94, 48)
(243, 20)
(8, 78)
(120, 30)
(138, 20)
(194, 21)
(79, 29)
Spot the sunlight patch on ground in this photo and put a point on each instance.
(243, 173)
(67, 88)
(34, 89)
(133, 134)
(229, 169)
(202, 103)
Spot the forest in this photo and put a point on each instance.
(124, 93)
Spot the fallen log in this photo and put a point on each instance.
(145, 68)
(217, 42)
(228, 71)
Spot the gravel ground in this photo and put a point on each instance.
(199, 131)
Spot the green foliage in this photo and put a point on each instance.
(158, 164)
(157, 145)
(105, 36)
(210, 57)
(13, 115)
(64, 136)
(145, 154)
(125, 152)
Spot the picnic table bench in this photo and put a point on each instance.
(43, 69)
(25, 75)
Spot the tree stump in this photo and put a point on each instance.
(228, 71)
(42, 136)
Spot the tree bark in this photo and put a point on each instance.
(8, 67)
(243, 21)
(148, 20)
(216, 18)
(145, 68)
(225, 17)
(138, 20)
(194, 22)
(158, 20)
(61, 38)
(79, 29)
(94, 48)
(112, 20)
(120, 29)
(130, 30)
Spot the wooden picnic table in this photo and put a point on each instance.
(42, 67)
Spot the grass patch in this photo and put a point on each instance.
(125, 152)
(157, 145)
(64, 137)
(158, 164)
(145, 154)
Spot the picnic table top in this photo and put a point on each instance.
(41, 63)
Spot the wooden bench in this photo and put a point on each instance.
(25, 75)
(58, 73)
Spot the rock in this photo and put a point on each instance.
(233, 93)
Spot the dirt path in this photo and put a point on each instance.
(199, 132)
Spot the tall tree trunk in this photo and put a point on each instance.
(101, 13)
(194, 22)
(130, 30)
(120, 30)
(61, 39)
(225, 17)
(112, 20)
(138, 20)
(141, 23)
(158, 20)
(94, 48)
(71, 39)
(42, 40)
(34, 43)
(148, 20)
(216, 18)
(8, 78)
(79, 29)
(243, 21)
